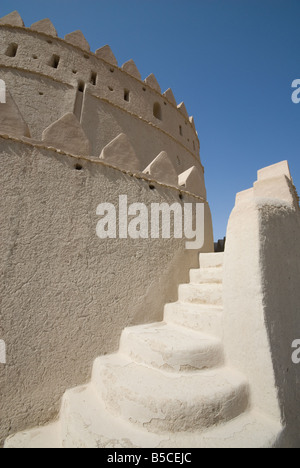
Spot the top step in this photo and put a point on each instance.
(211, 260)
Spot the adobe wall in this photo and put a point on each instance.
(65, 294)
(92, 88)
(262, 296)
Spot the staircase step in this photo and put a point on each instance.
(201, 318)
(167, 401)
(41, 437)
(201, 293)
(170, 347)
(86, 423)
(211, 260)
(206, 275)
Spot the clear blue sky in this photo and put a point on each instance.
(231, 61)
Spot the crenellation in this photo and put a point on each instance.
(44, 26)
(63, 76)
(127, 67)
(170, 97)
(192, 121)
(181, 107)
(131, 68)
(77, 38)
(105, 53)
(13, 19)
(153, 83)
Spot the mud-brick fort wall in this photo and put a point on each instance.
(48, 77)
(76, 131)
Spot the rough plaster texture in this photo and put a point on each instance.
(153, 83)
(106, 54)
(11, 121)
(147, 344)
(170, 96)
(65, 294)
(49, 77)
(190, 181)
(183, 109)
(162, 169)
(44, 26)
(131, 68)
(261, 296)
(12, 19)
(120, 153)
(280, 233)
(168, 386)
(149, 399)
(68, 134)
(77, 38)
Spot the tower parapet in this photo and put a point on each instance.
(48, 78)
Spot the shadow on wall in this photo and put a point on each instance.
(280, 231)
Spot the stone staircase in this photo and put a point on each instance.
(169, 386)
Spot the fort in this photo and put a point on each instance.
(132, 342)
(53, 79)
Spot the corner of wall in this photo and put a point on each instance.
(261, 299)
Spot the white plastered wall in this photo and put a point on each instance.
(262, 295)
(65, 294)
(44, 94)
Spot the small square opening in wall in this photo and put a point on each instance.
(54, 61)
(180, 130)
(157, 111)
(81, 86)
(93, 79)
(12, 50)
(126, 95)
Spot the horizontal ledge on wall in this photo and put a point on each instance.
(137, 175)
(97, 57)
(61, 81)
